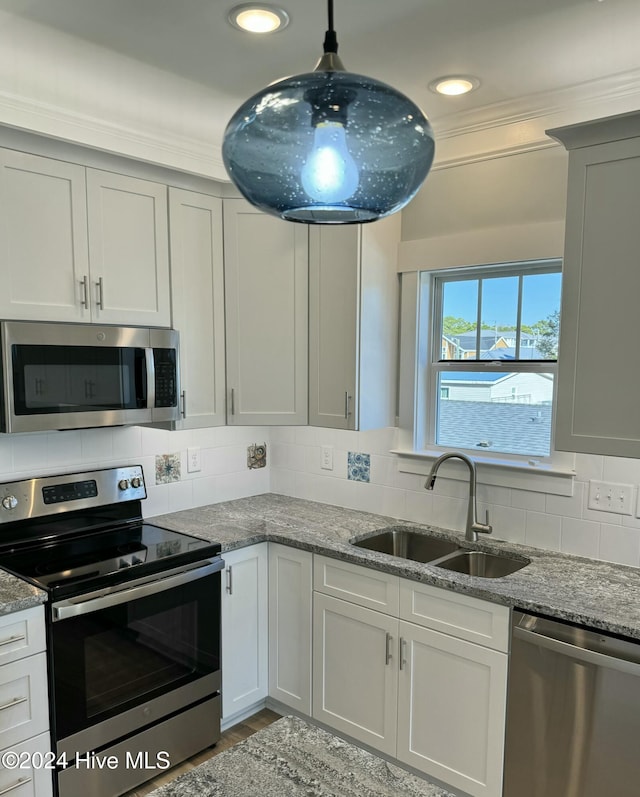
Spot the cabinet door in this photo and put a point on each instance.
(334, 265)
(454, 732)
(128, 250)
(23, 699)
(597, 379)
(290, 591)
(353, 324)
(43, 230)
(266, 278)
(244, 629)
(197, 298)
(355, 673)
(32, 780)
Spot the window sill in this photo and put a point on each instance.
(539, 477)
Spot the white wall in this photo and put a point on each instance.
(224, 473)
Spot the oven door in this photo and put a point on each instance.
(124, 658)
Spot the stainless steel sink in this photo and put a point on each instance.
(485, 565)
(408, 543)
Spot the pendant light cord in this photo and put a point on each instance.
(330, 38)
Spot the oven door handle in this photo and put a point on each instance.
(66, 609)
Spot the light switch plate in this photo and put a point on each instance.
(326, 457)
(610, 497)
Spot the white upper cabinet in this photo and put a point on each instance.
(82, 244)
(128, 250)
(43, 234)
(197, 297)
(353, 317)
(266, 281)
(598, 382)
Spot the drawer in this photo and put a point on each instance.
(23, 700)
(457, 615)
(361, 585)
(31, 781)
(22, 634)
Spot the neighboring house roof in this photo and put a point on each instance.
(509, 353)
(491, 340)
(491, 426)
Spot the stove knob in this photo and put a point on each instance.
(10, 502)
(123, 484)
(136, 481)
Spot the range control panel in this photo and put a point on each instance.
(33, 498)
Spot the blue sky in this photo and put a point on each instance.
(540, 297)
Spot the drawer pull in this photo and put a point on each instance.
(16, 638)
(15, 702)
(15, 785)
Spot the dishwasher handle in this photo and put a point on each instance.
(612, 662)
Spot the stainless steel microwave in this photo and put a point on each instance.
(79, 376)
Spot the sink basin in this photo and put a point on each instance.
(485, 565)
(408, 543)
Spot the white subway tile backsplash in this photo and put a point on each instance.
(508, 523)
(567, 506)
(620, 545)
(543, 531)
(580, 537)
(542, 520)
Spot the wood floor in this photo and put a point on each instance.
(234, 735)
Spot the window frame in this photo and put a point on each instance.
(436, 365)
(416, 450)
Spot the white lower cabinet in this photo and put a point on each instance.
(31, 780)
(244, 629)
(290, 585)
(355, 671)
(423, 680)
(451, 709)
(24, 714)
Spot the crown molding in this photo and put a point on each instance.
(165, 147)
(492, 131)
(513, 127)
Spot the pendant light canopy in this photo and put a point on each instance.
(328, 146)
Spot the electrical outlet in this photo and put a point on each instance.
(193, 460)
(610, 497)
(326, 457)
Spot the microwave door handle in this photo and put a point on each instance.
(151, 378)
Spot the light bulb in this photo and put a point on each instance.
(330, 174)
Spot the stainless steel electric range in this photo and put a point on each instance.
(133, 626)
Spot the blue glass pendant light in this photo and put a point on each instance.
(328, 146)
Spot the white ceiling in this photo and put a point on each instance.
(523, 51)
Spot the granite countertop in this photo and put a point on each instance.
(16, 594)
(292, 758)
(602, 595)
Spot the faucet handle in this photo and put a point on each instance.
(483, 528)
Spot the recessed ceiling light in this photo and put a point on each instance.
(258, 18)
(453, 85)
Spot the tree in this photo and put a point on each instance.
(546, 332)
(456, 326)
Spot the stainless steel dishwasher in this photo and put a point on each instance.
(573, 712)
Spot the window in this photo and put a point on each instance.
(491, 362)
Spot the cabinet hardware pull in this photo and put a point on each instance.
(15, 702)
(100, 292)
(403, 651)
(15, 785)
(347, 403)
(233, 401)
(183, 399)
(229, 581)
(15, 638)
(388, 655)
(84, 302)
